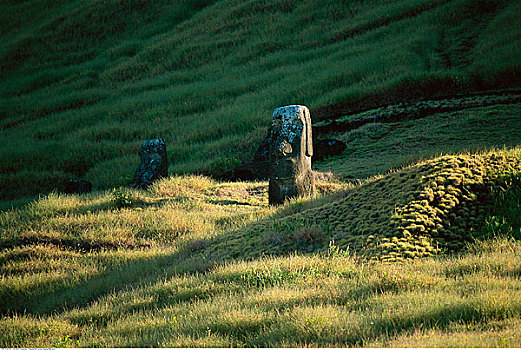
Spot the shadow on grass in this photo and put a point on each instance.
(251, 241)
(82, 293)
(278, 327)
(364, 331)
(60, 295)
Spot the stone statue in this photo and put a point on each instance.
(154, 164)
(290, 151)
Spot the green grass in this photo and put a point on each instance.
(376, 148)
(416, 244)
(431, 207)
(195, 262)
(296, 301)
(79, 92)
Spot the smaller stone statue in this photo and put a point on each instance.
(154, 164)
(290, 152)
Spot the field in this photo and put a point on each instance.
(194, 262)
(412, 240)
(82, 87)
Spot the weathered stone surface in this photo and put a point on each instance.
(290, 151)
(154, 163)
(77, 186)
(324, 148)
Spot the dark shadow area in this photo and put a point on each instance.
(416, 110)
(78, 244)
(81, 294)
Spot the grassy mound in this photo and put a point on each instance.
(438, 205)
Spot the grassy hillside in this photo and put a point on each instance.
(84, 82)
(413, 238)
(194, 262)
(386, 142)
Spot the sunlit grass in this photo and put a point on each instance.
(187, 263)
(298, 301)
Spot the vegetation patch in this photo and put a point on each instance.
(315, 300)
(196, 262)
(435, 206)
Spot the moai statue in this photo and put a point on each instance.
(290, 151)
(154, 164)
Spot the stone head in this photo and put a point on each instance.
(154, 163)
(152, 149)
(291, 145)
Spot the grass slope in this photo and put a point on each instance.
(410, 248)
(437, 205)
(376, 147)
(84, 82)
(194, 262)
